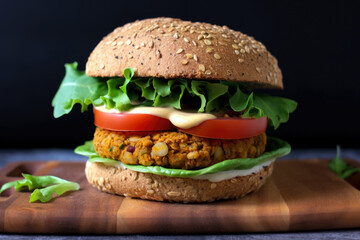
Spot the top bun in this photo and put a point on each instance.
(172, 48)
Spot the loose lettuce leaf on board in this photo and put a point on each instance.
(275, 148)
(45, 194)
(340, 167)
(29, 183)
(44, 186)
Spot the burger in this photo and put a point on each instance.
(175, 114)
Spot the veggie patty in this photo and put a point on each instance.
(174, 149)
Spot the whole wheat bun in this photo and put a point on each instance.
(172, 48)
(149, 186)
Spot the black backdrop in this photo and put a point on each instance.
(315, 42)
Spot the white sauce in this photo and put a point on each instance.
(220, 176)
(178, 118)
(213, 177)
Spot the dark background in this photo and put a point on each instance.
(315, 42)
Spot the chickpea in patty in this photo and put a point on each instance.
(174, 149)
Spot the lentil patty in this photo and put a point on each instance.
(174, 149)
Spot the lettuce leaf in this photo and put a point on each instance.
(275, 148)
(340, 167)
(45, 194)
(124, 93)
(44, 186)
(77, 87)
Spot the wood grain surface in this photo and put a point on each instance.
(301, 195)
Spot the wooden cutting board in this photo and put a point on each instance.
(301, 195)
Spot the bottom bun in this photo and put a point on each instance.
(149, 186)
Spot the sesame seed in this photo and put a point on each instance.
(235, 46)
(153, 36)
(202, 67)
(194, 42)
(137, 47)
(174, 194)
(217, 56)
(120, 43)
(101, 181)
(213, 185)
(108, 42)
(207, 42)
(186, 40)
(247, 49)
(158, 54)
(237, 52)
(207, 72)
(195, 57)
(128, 42)
(142, 44)
(242, 50)
(161, 31)
(102, 66)
(241, 60)
(268, 78)
(189, 55)
(209, 50)
(184, 62)
(176, 36)
(171, 29)
(180, 50)
(258, 70)
(200, 37)
(151, 44)
(113, 44)
(224, 35)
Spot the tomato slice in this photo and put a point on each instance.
(130, 122)
(229, 128)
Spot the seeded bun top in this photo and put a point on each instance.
(172, 48)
